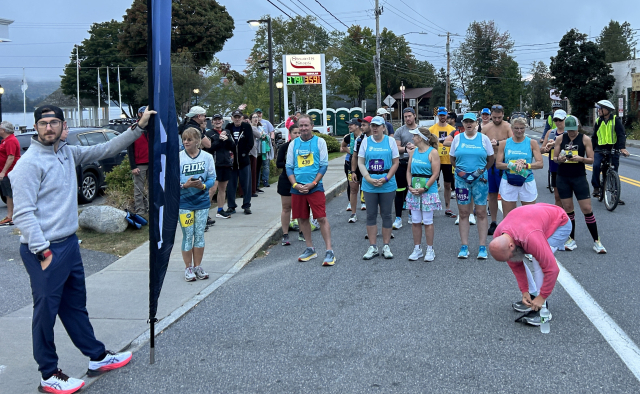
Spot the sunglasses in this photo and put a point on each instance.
(557, 120)
(497, 107)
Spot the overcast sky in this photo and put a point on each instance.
(43, 33)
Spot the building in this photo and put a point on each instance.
(622, 72)
(4, 30)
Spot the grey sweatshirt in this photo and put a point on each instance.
(45, 187)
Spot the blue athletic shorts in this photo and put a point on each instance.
(494, 178)
(478, 190)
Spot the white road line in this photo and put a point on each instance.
(619, 341)
(2, 368)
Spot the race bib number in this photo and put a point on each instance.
(305, 160)
(376, 165)
(187, 219)
(462, 194)
(573, 153)
(443, 150)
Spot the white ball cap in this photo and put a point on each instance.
(382, 111)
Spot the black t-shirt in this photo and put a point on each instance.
(572, 168)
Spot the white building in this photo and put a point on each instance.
(622, 72)
(4, 30)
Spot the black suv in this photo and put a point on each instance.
(90, 175)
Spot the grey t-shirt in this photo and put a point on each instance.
(403, 135)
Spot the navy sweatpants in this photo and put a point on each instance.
(59, 290)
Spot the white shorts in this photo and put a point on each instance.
(424, 217)
(526, 193)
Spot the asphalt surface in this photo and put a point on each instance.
(280, 326)
(14, 280)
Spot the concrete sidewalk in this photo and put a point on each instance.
(117, 297)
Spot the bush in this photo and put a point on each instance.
(119, 192)
(332, 144)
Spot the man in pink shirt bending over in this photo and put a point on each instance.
(538, 229)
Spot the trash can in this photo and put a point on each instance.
(316, 116)
(342, 116)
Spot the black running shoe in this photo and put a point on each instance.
(492, 228)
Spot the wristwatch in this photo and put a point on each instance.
(42, 256)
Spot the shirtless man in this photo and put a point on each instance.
(497, 131)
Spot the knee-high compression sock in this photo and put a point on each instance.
(592, 225)
(572, 217)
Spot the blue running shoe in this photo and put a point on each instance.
(464, 252)
(309, 253)
(482, 253)
(329, 258)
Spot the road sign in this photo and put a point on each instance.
(390, 100)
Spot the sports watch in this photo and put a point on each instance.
(42, 256)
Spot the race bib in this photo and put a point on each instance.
(419, 182)
(187, 219)
(305, 160)
(376, 165)
(443, 150)
(462, 194)
(551, 153)
(574, 153)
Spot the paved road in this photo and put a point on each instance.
(14, 281)
(398, 326)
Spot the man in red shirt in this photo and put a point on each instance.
(9, 155)
(138, 154)
(538, 229)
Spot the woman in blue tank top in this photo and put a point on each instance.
(378, 160)
(517, 157)
(422, 175)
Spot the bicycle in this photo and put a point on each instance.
(549, 186)
(609, 181)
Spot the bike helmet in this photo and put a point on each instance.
(606, 104)
(556, 104)
(571, 123)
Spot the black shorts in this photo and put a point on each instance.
(447, 173)
(568, 186)
(401, 175)
(223, 174)
(5, 187)
(284, 186)
(347, 168)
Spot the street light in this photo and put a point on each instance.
(254, 23)
(1, 93)
(280, 85)
(196, 91)
(401, 101)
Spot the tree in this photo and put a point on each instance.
(538, 88)
(581, 73)
(617, 41)
(439, 90)
(198, 26)
(483, 63)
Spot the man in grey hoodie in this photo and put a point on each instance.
(46, 212)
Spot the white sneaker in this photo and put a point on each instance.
(371, 253)
(410, 221)
(363, 206)
(397, 224)
(416, 254)
(431, 254)
(110, 362)
(597, 246)
(457, 220)
(472, 219)
(386, 252)
(570, 244)
(353, 218)
(349, 207)
(189, 275)
(60, 383)
(200, 273)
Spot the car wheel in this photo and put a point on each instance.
(88, 188)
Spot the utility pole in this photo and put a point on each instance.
(376, 60)
(447, 98)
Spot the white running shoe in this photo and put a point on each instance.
(371, 253)
(386, 252)
(349, 207)
(397, 224)
(363, 206)
(457, 220)
(60, 383)
(597, 246)
(189, 275)
(416, 254)
(410, 221)
(110, 362)
(472, 219)
(200, 273)
(570, 244)
(353, 218)
(431, 254)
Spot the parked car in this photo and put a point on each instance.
(90, 175)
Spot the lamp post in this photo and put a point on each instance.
(257, 22)
(196, 91)
(280, 85)
(401, 101)
(1, 93)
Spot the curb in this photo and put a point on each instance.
(273, 234)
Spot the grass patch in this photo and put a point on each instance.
(117, 244)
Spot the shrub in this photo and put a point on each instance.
(332, 144)
(119, 192)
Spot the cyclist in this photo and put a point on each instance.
(547, 147)
(549, 125)
(608, 132)
(572, 152)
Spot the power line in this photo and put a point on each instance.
(425, 18)
(279, 9)
(332, 14)
(287, 7)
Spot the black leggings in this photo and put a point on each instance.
(401, 180)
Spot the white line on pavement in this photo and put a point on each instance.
(2, 368)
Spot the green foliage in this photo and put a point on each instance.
(581, 73)
(332, 144)
(617, 41)
(438, 95)
(538, 89)
(199, 26)
(119, 192)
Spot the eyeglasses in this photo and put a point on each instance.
(497, 107)
(557, 120)
(53, 123)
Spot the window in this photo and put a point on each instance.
(633, 70)
(94, 138)
(110, 134)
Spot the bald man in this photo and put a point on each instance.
(539, 230)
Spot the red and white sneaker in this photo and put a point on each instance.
(60, 383)
(110, 362)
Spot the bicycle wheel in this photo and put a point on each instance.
(550, 186)
(612, 190)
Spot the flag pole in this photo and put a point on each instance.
(24, 95)
(119, 91)
(108, 96)
(99, 108)
(79, 120)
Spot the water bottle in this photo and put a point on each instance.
(545, 328)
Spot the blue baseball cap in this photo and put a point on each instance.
(378, 120)
(470, 116)
(485, 111)
(442, 111)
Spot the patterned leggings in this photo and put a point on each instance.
(193, 236)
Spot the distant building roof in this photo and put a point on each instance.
(414, 93)
(61, 100)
